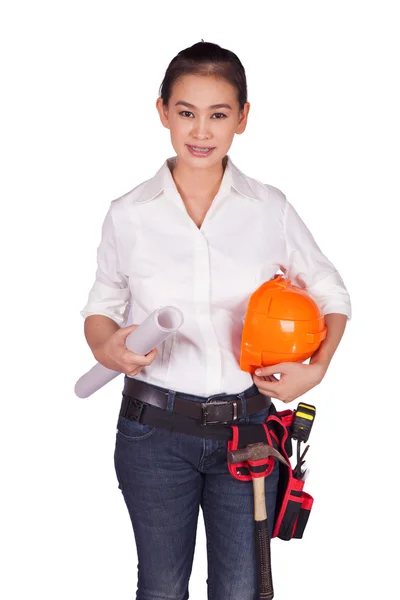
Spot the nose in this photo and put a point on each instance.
(201, 129)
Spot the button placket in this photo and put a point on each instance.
(202, 297)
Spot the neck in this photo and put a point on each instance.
(200, 183)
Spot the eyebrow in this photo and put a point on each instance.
(212, 106)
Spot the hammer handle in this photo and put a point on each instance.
(262, 542)
(260, 511)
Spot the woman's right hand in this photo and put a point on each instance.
(114, 354)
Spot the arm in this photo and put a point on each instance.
(298, 378)
(108, 302)
(108, 343)
(307, 266)
(110, 294)
(107, 309)
(335, 324)
(98, 329)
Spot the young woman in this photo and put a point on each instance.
(200, 235)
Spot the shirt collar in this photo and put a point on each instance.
(163, 180)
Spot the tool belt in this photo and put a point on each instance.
(293, 505)
(215, 419)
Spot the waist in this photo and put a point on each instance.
(216, 408)
(198, 381)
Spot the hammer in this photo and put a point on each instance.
(256, 452)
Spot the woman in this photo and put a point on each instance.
(202, 236)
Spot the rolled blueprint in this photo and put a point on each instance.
(154, 330)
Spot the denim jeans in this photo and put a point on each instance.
(164, 478)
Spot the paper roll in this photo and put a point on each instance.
(154, 330)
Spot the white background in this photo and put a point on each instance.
(79, 128)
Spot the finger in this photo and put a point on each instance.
(134, 371)
(137, 360)
(262, 371)
(269, 378)
(270, 388)
(266, 378)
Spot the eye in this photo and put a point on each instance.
(184, 113)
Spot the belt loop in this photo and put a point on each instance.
(124, 406)
(171, 400)
(242, 397)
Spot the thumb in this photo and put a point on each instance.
(123, 332)
(263, 371)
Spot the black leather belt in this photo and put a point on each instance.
(220, 408)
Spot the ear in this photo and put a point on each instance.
(241, 126)
(163, 112)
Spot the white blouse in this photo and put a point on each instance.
(152, 254)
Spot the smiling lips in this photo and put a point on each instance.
(200, 150)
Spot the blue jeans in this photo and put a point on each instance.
(164, 478)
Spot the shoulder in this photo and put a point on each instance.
(254, 188)
(123, 205)
(271, 196)
(143, 192)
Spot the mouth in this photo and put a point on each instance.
(200, 150)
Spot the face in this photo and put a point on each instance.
(194, 120)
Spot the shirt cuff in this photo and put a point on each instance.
(331, 295)
(109, 302)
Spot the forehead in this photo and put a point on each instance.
(203, 90)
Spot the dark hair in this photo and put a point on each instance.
(205, 58)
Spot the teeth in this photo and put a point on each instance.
(200, 149)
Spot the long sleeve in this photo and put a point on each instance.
(110, 294)
(307, 265)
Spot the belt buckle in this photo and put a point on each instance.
(204, 407)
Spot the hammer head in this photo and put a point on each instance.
(255, 452)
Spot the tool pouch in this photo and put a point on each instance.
(243, 435)
(293, 505)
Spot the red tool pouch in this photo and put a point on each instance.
(293, 505)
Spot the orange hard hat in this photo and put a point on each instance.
(282, 324)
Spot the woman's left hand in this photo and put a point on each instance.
(295, 380)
